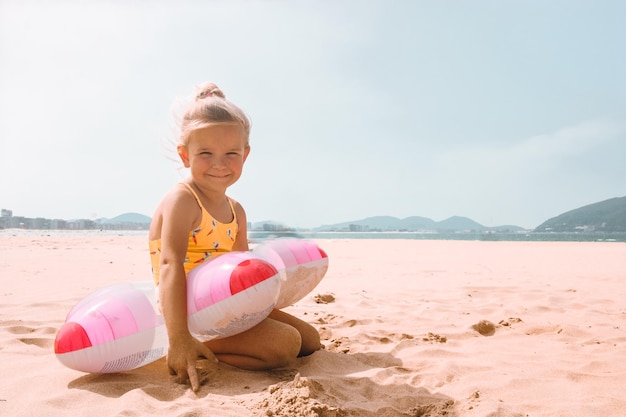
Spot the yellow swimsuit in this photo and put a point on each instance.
(210, 239)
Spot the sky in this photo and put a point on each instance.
(506, 112)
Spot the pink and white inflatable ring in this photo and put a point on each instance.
(119, 328)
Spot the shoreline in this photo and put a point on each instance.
(426, 236)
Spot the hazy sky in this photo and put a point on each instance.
(507, 112)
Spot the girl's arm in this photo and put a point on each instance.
(184, 348)
(241, 242)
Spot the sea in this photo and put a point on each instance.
(256, 236)
(482, 236)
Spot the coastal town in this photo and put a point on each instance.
(9, 221)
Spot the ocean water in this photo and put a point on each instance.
(525, 236)
(61, 233)
(259, 236)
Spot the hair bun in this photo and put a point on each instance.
(208, 90)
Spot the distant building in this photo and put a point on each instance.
(268, 227)
(58, 224)
(40, 223)
(359, 228)
(82, 224)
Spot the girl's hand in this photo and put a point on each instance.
(181, 360)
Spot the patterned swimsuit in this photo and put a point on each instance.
(210, 239)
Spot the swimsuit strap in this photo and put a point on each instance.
(195, 195)
(232, 209)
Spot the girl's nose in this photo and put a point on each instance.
(219, 161)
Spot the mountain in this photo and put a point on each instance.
(605, 216)
(460, 223)
(384, 223)
(128, 218)
(415, 223)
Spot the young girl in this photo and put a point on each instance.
(197, 221)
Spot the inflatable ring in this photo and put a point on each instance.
(119, 328)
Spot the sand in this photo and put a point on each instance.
(411, 328)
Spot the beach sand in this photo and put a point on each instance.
(411, 328)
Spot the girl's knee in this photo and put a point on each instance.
(310, 337)
(310, 341)
(285, 348)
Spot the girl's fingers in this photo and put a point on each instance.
(206, 352)
(193, 377)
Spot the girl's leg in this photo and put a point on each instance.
(310, 336)
(270, 344)
(273, 343)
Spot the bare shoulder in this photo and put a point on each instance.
(239, 211)
(179, 194)
(178, 210)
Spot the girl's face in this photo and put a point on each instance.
(215, 156)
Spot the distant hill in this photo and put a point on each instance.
(385, 223)
(128, 218)
(605, 216)
(416, 223)
(459, 223)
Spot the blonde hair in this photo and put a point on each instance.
(210, 107)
